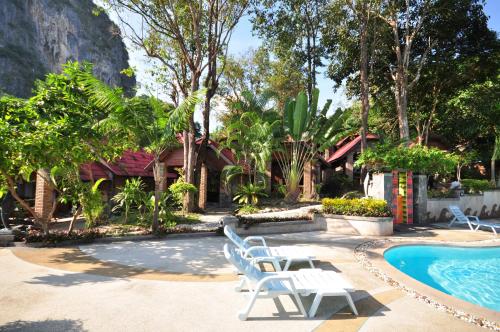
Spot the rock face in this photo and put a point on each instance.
(38, 36)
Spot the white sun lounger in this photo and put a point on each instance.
(273, 284)
(289, 254)
(473, 221)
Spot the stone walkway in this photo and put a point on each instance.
(186, 285)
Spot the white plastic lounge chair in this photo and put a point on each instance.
(460, 218)
(289, 254)
(294, 283)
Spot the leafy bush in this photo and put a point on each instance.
(131, 195)
(419, 159)
(437, 193)
(179, 189)
(247, 209)
(87, 235)
(249, 194)
(473, 186)
(365, 207)
(92, 203)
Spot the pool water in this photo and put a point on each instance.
(470, 274)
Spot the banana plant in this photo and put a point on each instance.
(308, 131)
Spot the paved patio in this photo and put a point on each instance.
(185, 285)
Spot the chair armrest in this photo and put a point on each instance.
(255, 238)
(273, 260)
(281, 277)
(250, 250)
(473, 217)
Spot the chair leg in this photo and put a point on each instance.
(311, 263)
(300, 305)
(243, 315)
(240, 286)
(288, 263)
(315, 304)
(351, 304)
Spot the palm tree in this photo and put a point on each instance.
(152, 123)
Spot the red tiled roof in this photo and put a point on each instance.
(129, 164)
(346, 148)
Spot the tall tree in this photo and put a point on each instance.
(293, 28)
(57, 127)
(405, 21)
(349, 36)
(187, 38)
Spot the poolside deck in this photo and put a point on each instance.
(186, 285)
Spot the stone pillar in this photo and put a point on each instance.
(202, 195)
(269, 177)
(349, 166)
(307, 187)
(44, 195)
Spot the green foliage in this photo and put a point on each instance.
(131, 195)
(179, 189)
(474, 186)
(249, 194)
(92, 203)
(308, 131)
(251, 139)
(363, 207)
(438, 193)
(248, 209)
(81, 236)
(419, 159)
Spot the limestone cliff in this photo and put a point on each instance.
(38, 36)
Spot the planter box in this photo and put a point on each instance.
(275, 227)
(372, 226)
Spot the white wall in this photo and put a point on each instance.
(485, 206)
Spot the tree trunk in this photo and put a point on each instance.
(493, 159)
(191, 150)
(365, 90)
(73, 220)
(158, 183)
(401, 106)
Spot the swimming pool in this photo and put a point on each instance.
(470, 274)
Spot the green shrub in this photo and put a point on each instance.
(473, 186)
(419, 159)
(179, 189)
(247, 209)
(249, 194)
(437, 193)
(365, 207)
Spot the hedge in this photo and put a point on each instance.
(472, 186)
(363, 207)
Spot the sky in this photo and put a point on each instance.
(243, 40)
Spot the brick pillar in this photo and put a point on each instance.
(349, 166)
(269, 177)
(202, 196)
(307, 188)
(44, 195)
